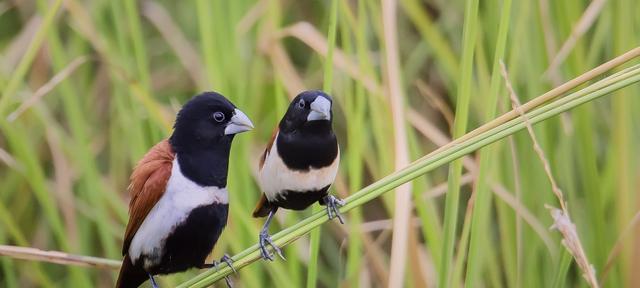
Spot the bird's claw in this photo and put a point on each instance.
(227, 260)
(265, 240)
(333, 204)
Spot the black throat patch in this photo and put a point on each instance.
(306, 149)
(206, 168)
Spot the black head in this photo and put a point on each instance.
(206, 122)
(309, 110)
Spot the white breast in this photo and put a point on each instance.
(275, 177)
(181, 196)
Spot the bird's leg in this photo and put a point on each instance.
(333, 204)
(216, 265)
(226, 259)
(265, 239)
(153, 281)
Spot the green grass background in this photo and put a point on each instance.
(66, 159)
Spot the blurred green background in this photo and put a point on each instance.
(88, 86)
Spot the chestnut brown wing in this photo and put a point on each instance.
(147, 185)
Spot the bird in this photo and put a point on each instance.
(179, 200)
(299, 164)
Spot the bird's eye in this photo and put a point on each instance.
(218, 116)
(301, 104)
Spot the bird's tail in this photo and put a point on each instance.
(263, 208)
(131, 276)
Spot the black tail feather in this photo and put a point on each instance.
(131, 276)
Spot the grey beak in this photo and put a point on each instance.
(320, 110)
(239, 123)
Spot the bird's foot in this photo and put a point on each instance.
(227, 260)
(153, 281)
(333, 204)
(216, 265)
(265, 239)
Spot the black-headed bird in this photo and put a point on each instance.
(299, 164)
(179, 200)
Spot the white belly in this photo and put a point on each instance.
(275, 177)
(180, 198)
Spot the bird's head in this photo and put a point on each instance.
(309, 110)
(207, 120)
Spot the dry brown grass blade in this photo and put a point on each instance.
(518, 192)
(57, 257)
(633, 280)
(385, 224)
(310, 36)
(416, 266)
(429, 269)
(503, 194)
(18, 46)
(63, 183)
(83, 24)
(187, 55)
(251, 17)
(284, 67)
(433, 134)
(436, 101)
(48, 87)
(5, 6)
(562, 220)
(270, 44)
(586, 21)
(372, 251)
(617, 248)
(441, 189)
(8, 160)
(553, 93)
(536, 146)
(402, 210)
(548, 32)
(571, 241)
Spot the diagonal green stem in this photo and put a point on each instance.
(480, 213)
(428, 163)
(459, 127)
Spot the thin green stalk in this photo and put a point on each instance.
(434, 38)
(428, 163)
(563, 268)
(355, 107)
(208, 48)
(34, 46)
(459, 127)
(137, 41)
(621, 151)
(314, 243)
(480, 216)
(24, 151)
(328, 68)
(123, 105)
